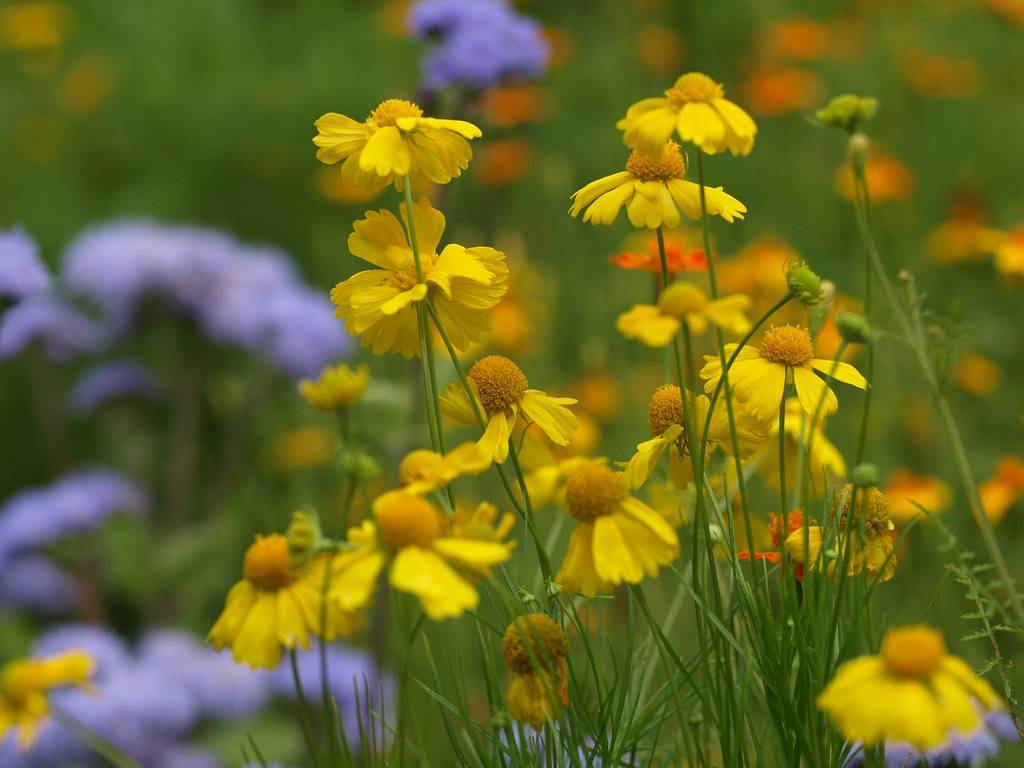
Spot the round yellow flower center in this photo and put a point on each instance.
(670, 165)
(499, 382)
(788, 345)
(535, 635)
(593, 491)
(913, 651)
(388, 112)
(404, 279)
(665, 409)
(405, 520)
(681, 299)
(267, 563)
(694, 86)
(872, 507)
(420, 464)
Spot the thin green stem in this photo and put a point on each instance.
(304, 713)
(783, 498)
(862, 207)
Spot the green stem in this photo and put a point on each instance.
(304, 714)
(806, 439)
(862, 207)
(784, 510)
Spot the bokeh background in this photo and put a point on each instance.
(201, 113)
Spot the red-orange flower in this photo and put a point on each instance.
(794, 522)
(680, 256)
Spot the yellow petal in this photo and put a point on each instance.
(442, 592)
(550, 414)
(385, 153)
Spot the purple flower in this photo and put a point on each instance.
(303, 335)
(21, 272)
(480, 43)
(80, 502)
(31, 582)
(108, 382)
(60, 330)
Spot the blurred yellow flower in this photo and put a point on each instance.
(941, 77)
(914, 692)
(34, 25)
(422, 471)
(333, 185)
(654, 192)
(659, 48)
(695, 107)
(425, 558)
(277, 605)
(379, 305)
(396, 141)
(889, 180)
(964, 237)
(1009, 259)
(825, 464)
(535, 648)
(908, 492)
(303, 447)
(656, 325)
(977, 374)
(617, 538)
(1003, 489)
(24, 685)
(502, 394)
(87, 85)
(599, 394)
(759, 271)
(760, 374)
(336, 387)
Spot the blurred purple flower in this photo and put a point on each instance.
(187, 757)
(58, 328)
(79, 502)
(304, 337)
(112, 381)
(21, 272)
(479, 44)
(31, 582)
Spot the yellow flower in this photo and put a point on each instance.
(906, 491)
(760, 374)
(277, 605)
(337, 387)
(422, 471)
(379, 305)
(697, 109)
(24, 684)
(868, 533)
(536, 649)
(34, 26)
(977, 374)
(618, 538)
(1003, 489)
(1009, 254)
(395, 141)
(657, 324)
(654, 192)
(408, 536)
(665, 419)
(503, 396)
(303, 447)
(825, 464)
(914, 691)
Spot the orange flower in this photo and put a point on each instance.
(906, 490)
(659, 49)
(1003, 489)
(501, 162)
(794, 522)
(889, 180)
(509, 106)
(1009, 259)
(1011, 10)
(598, 394)
(680, 255)
(977, 374)
(796, 39)
(759, 271)
(941, 77)
(781, 90)
(964, 236)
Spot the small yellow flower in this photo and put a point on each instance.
(825, 464)
(337, 387)
(668, 433)
(760, 374)
(655, 194)
(396, 141)
(379, 305)
(303, 448)
(503, 396)
(906, 490)
(914, 691)
(24, 684)
(657, 324)
(697, 109)
(276, 606)
(425, 558)
(39, 25)
(535, 649)
(422, 471)
(617, 538)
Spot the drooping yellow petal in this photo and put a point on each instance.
(843, 372)
(385, 153)
(550, 414)
(579, 572)
(648, 324)
(442, 592)
(810, 390)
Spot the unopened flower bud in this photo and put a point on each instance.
(847, 111)
(865, 475)
(804, 283)
(303, 535)
(854, 328)
(359, 466)
(858, 147)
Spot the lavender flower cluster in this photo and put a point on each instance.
(37, 517)
(479, 43)
(148, 700)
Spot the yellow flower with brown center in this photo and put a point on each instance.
(276, 606)
(536, 650)
(617, 538)
(380, 305)
(913, 692)
(695, 107)
(668, 433)
(425, 556)
(396, 141)
(502, 394)
(655, 194)
(657, 324)
(24, 685)
(422, 470)
(337, 387)
(759, 375)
